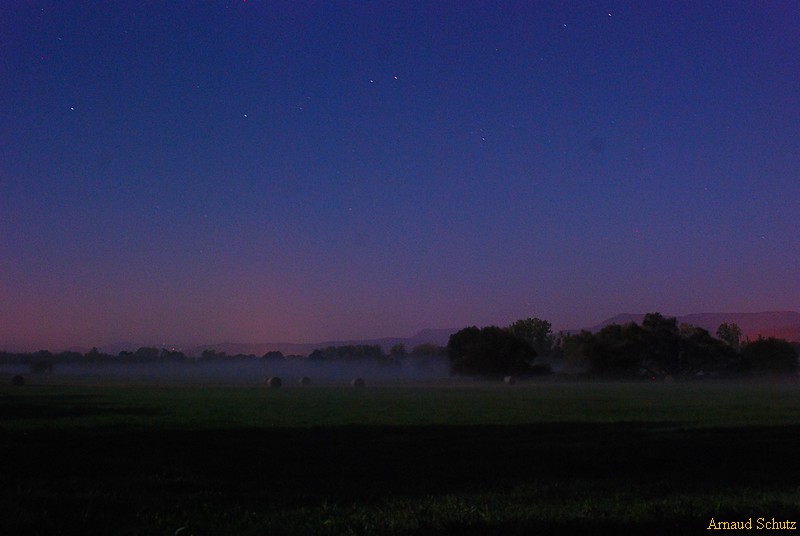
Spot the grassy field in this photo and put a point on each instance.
(436, 458)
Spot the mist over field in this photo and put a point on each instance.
(244, 372)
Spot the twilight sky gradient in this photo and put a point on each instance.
(191, 172)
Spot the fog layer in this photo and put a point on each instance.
(254, 371)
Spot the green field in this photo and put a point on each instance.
(436, 458)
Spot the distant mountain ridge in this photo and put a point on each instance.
(780, 324)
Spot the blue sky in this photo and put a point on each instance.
(194, 172)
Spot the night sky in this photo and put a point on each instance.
(186, 172)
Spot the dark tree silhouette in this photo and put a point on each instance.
(398, 350)
(731, 334)
(536, 332)
(489, 351)
(427, 349)
(616, 350)
(701, 353)
(349, 352)
(663, 341)
(770, 355)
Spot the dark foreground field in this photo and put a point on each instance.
(469, 459)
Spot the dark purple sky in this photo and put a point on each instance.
(191, 172)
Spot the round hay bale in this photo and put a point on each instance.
(18, 381)
(305, 381)
(358, 382)
(669, 378)
(274, 382)
(509, 380)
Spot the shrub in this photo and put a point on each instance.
(770, 355)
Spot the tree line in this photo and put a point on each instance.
(357, 352)
(656, 348)
(44, 361)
